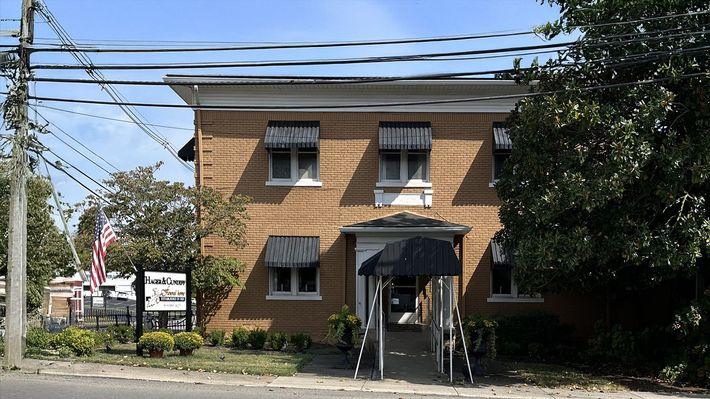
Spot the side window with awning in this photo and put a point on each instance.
(293, 151)
(294, 267)
(502, 147)
(405, 149)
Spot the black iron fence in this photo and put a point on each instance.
(100, 319)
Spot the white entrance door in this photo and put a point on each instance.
(404, 300)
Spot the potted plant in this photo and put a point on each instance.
(156, 343)
(480, 335)
(343, 328)
(187, 342)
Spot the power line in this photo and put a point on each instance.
(78, 142)
(79, 170)
(369, 60)
(108, 118)
(297, 45)
(367, 105)
(99, 196)
(286, 45)
(225, 80)
(115, 95)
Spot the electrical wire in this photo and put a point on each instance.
(79, 170)
(108, 118)
(368, 105)
(97, 195)
(76, 141)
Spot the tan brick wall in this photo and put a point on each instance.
(235, 162)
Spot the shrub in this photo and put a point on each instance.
(196, 330)
(301, 342)
(240, 338)
(536, 335)
(278, 340)
(38, 338)
(157, 341)
(615, 345)
(257, 338)
(104, 339)
(691, 360)
(216, 337)
(187, 341)
(482, 331)
(339, 322)
(122, 334)
(166, 330)
(80, 342)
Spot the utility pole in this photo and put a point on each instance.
(16, 315)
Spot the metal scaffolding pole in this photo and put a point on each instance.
(367, 328)
(381, 339)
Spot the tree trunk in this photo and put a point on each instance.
(163, 320)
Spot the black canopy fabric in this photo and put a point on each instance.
(292, 134)
(405, 136)
(502, 259)
(292, 251)
(501, 138)
(417, 256)
(187, 152)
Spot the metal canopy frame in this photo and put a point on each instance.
(437, 323)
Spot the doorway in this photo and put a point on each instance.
(403, 301)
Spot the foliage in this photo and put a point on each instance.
(340, 321)
(240, 338)
(104, 339)
(38, 338)
(536, 335)
(691, 362)
(157, 341)
(49, 254)
(301, 342)
(160, 224)
(188, 341)
(122, 333)
(646, 349)
(79, 341)
(609, 188)
(278, 340)
(482, 331)
(216, 337)
(257, 338)
(166, 330)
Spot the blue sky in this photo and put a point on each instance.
(125, 146)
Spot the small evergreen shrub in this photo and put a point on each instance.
(166, 330)
(216, 337)
(187, 341)
(240, 338)
(257, 338)
(123, 334)
(301, 342)
(278, 340)
(104, 339)
(80, 342)
(480, 334)
(38, 338)
(533, 335)
(157, 341)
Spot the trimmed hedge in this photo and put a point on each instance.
(240, 338)
(188, 341)
(76, 341)
(257, 338)
(278, 340)
(157, 341)
(301, 342)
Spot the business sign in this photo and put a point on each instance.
(97, 301)
(165, 291)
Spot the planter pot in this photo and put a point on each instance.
(156, 354)
(186, 352)
(345, 344)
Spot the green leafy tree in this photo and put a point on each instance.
(48, 253)
(610, 187)
(160, 224)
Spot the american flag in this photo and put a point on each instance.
(103, 237)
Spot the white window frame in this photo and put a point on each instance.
(295, 180)
(294, 294)
(404, 180)
(514, 295)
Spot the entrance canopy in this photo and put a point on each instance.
(416, 256)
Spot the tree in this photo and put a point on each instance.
(48, 253)
(610, 187)
(160, 224)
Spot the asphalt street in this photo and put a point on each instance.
(15, 385)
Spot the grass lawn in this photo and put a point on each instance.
(220, 360)
(556, 376)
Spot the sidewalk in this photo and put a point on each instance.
(311, 380)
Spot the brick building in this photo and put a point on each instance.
(332, 185)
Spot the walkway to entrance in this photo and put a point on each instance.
(408, 357)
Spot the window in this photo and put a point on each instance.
(504, 289)
(294, 282)
(404, 167)
(498, 163)
(297, 166)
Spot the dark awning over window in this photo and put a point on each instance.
(417, 256)
(292, 251)
(501, 138)
(405, 136)
(187, 152)
(292, 134)
(501, 258)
